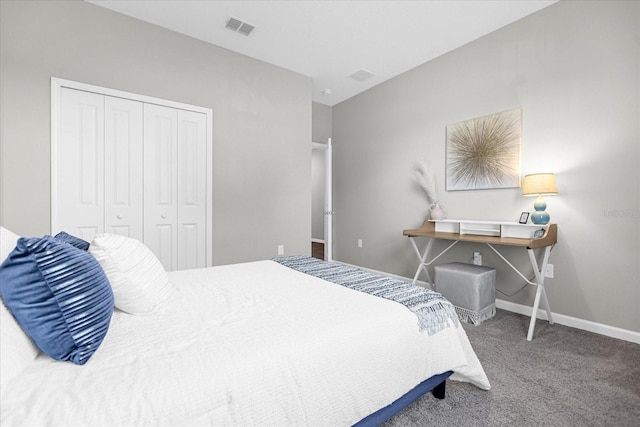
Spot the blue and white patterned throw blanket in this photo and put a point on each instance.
(433, 311)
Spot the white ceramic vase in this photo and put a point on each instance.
(436, 212)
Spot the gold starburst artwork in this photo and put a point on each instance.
(484, 152)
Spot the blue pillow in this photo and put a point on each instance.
(59, 295)
(73, 240)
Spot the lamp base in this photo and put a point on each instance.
(540, 218)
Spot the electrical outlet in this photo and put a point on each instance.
(359, 243)
(477, 258)
(549, 271)
(280, 249)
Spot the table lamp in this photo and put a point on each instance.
(540, 184)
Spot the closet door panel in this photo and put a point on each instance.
(132, 165)
(192, 187)
(160, 183)
(78, 196)
(123, 167)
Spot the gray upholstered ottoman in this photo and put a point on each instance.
(470, 288)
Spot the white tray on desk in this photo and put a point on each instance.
(488, 228)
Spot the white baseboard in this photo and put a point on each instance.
(561, 319)
(573, 322)
(317, 241)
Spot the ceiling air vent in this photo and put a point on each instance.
(362, 75)
(239, 26)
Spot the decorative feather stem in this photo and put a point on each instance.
(426, 179)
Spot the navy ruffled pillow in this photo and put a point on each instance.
(73, 240)
(59, 295)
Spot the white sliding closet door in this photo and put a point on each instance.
(192, 196)
(161, 185)
(99, 161)
(175, 186)
(132, 165)
(123, 167)
(79, 187)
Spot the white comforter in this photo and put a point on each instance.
(254, 344)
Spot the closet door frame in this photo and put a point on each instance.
(57, 84)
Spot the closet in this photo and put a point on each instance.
(132, 165)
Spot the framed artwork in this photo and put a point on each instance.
(524, 217)
(484, 152)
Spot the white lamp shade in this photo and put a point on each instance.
(539, 184)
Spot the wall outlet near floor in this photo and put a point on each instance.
(477, 258)
(280, 249)
(549, 271)
(359, 243)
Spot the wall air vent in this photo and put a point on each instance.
(238, 26)
(362, 75)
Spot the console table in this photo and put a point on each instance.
(491, 234)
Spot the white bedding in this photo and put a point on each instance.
(254, 344)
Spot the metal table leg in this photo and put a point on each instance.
(423, 259)
(540, 292)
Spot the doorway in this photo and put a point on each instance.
(321, 205)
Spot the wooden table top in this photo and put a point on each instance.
(428, 229)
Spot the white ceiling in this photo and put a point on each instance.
(329, 40)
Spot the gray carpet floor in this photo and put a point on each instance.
(563, 377)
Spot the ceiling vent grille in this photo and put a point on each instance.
(362, 75)
(238, 26)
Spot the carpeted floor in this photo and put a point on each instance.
(563, 377)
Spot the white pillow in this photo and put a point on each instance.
(139, 282)
(16, 348)
(8, 240)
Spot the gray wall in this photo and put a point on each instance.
(322, 122)
(261, 118)
(574, 69)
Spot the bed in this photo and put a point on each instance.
(254, 344)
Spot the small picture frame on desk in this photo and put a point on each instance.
(524, 217)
